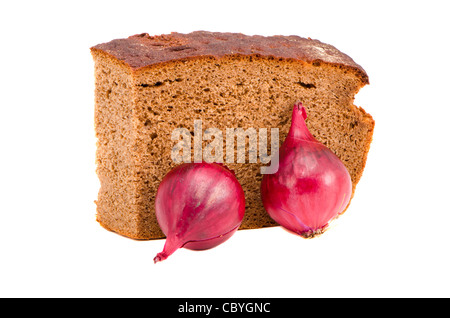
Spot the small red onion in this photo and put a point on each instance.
(198, 206)
(311, 187)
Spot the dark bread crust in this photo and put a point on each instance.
(143, 50)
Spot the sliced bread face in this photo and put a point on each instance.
(146, 87)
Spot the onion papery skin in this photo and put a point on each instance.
(198, 206)
(311, 187)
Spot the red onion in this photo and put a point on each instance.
(311, 187)
(198, 206)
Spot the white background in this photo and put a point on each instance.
(393, 241)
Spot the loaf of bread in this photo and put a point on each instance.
(147, 86)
